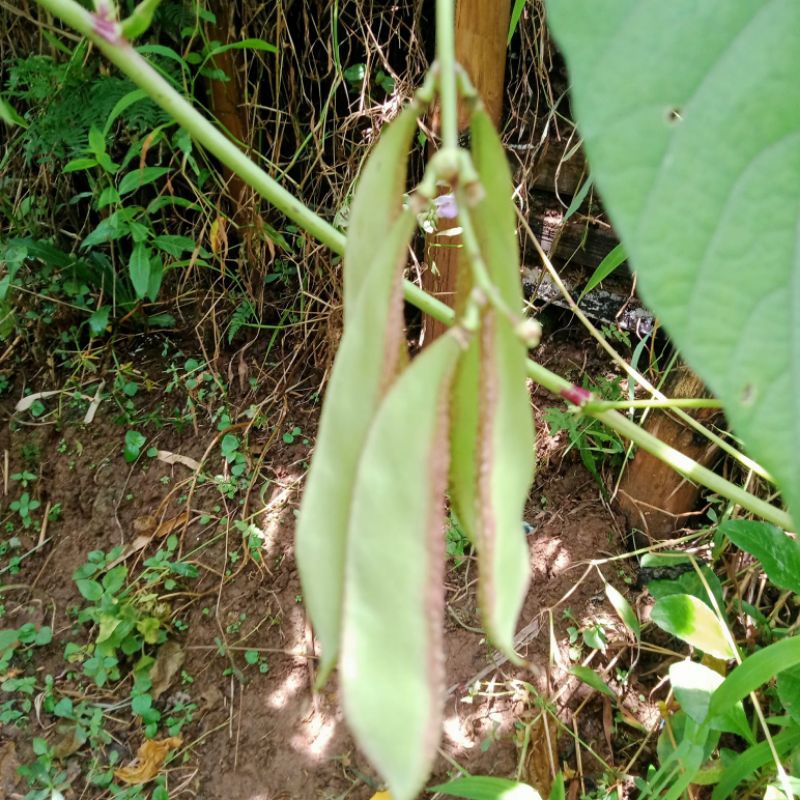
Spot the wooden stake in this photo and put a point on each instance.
(481, 32)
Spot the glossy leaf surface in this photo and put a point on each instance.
(624, 610)
(691, 124)
(392, 665)
(693, 684)
(692, 621)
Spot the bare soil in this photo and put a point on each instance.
(264, 735)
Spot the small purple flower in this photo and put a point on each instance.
(105, 25)
(446, 207)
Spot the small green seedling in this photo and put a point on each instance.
(24, 478)
(24, 506)
(290, 435)
(134, 441)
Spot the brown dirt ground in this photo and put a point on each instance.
(268, 737)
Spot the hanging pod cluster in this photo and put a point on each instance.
(370, 539)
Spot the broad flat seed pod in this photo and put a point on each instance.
(377, 203)
(394, 594)
(365, 365)
(494, 449)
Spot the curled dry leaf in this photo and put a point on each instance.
(175, 458)
(169, 660)
(170, 525)
(542, 761)
(26, 402)
(145, 524)
(149, 760)
(8, 767)
(394, 586)
(68, 740)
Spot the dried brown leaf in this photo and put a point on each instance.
(176, 458)
(169, 525)
(169, 660)
(149, 760)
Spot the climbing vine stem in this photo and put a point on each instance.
(107, 37)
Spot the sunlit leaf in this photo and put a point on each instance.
(624, 609)
(482, 787)
(690, 120)
(693, 685)
(694, 622)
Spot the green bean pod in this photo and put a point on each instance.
(377, 203)
(365, 366)
(394, 593)
(494, 449)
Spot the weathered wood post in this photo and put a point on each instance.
(481, 33)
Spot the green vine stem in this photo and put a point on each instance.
(676, 402)
(632, 373)
(107, 38)
(446, 70)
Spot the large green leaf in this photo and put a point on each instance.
(778, 553)
(754, 671)
(484, 787)
(392, 665)
(788, 685)
(693, 685)
(691, 122)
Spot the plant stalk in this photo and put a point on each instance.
(124, 56)
(446, 60)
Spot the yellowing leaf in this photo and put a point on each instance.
(381, 796)
(392, 670)
(218, 237)
(151, 756)
(694, 622)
